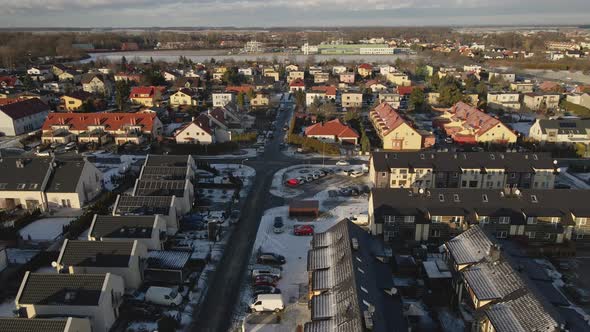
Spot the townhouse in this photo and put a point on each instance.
(65, 324)
(22, 117)
(47, 183)
(93, 296)
(395, 132)
(343, 264)
(474, 170)
(468, 124)
(150, 231)
(537, 218)
(541, 101)
(497, 290)
(122, 258)
(100, 128)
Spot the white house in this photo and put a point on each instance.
(221, 99)
(22, 117)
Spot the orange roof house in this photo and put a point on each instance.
(96, 127)
(146, 95)
(334, 131)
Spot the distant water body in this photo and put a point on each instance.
(205, 55)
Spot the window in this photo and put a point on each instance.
(21, 186)
(579, 236)
(434, 233)
(534, 199)
(531, 235)
(441, 197)
(3, 185)
(531, 220)
(484, 198)
(504, 220)
(501, 234)
(436, 219)
(456, 198)
(555, 220)
(484, 220)
(547, 236)
(409, 219)
(581, 221)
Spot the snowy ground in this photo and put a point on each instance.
(279, 189)
(573, 181)
(294, 283)
(522, 127)
(111, 171)
(44, 229)
(7, 307)
(249, 153)
(20, 256)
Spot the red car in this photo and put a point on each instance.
(292, 182)
(265, 281)
(303, 230)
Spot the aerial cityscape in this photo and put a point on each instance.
(315, 166)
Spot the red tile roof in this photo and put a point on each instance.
(407, 90)
(8, 80)
(388, 116)
(327, 89)
(331, 128)
(111, 121)
(142, 92)
(474, 118)
(366, 66)
(6, 101)
(239, 88)
(297, 82)
(202, 121)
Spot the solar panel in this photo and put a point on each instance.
(567, 125)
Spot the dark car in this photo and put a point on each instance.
(259, 290)
(271, 259)
(265, 281)
(278, 222)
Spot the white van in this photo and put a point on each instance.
(266, 271)
(163, 296)
(267, 302)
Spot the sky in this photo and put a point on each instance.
(294, 13)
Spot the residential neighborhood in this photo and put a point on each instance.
(385, 179)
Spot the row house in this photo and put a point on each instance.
(100, 128)
(497, 290)
(534, 217)
(468, 124)
(466, 170)
(150, 231)
(395, 132)
(47, 183)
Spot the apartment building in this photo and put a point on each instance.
(352, 99)
(506, 101)
(541, 101)
(536, 217)
(468, 170)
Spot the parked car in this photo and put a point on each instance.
(70, 146)
(309, 178)
(315, 175)
(267, 302)
(342, 162)
(292, 182)
(301, 179)
(259, 290)
(163, 296)
(271, 259)
(356, 174)
(265, 281)
(278, 225)
(302, 230)
(266, 271)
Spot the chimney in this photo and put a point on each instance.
(494, 252)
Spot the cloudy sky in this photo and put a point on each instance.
(264, 13)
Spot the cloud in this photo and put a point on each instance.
(284, 12)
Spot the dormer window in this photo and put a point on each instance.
(534, 199)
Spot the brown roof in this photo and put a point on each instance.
(331, 128)
(24, 108)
